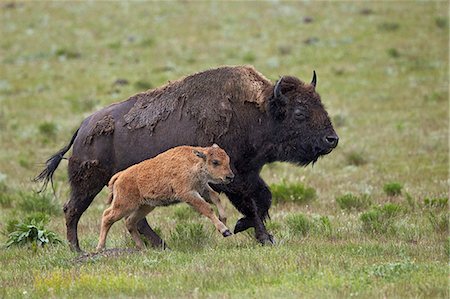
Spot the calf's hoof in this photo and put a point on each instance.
(226, 233)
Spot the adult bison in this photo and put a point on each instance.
(255, 121)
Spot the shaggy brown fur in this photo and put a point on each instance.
(218, 90)
(178, 175)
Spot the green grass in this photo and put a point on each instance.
(382, 74)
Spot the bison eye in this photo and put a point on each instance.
(299, 114)
(215, 162)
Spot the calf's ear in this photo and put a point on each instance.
(215, 145)
(278, 102)
(200, 154)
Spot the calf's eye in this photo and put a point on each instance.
(215, 162)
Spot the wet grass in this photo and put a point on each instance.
(383, 76)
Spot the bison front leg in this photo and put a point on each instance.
(145, 229)
(252, 198)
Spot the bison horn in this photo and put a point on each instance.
(277, 90)
(314, 79)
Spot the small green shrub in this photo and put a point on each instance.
(322, 226)
(441, 22)
(6, 199)
(295, 193)
(388, 26)
(392, 270)
(439, 223)
(37, 202)
(299, 224)
(350, 201)
(31, 232)
(393, 189)
(66, 53)
(48, 129)
(188, 235)
(355, 158)
(249, 57)
(380, 219)
(143, 85)
(437, 203)
(393, 52)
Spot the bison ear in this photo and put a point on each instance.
(200, 154)
(278, 102)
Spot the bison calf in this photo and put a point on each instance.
(178, 175)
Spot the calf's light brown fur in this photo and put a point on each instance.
(178, 175)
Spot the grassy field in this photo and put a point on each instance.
(368, 220)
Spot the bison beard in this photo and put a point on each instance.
(253, 120)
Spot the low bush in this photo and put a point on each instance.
(31, 232)
(188, 235)
(439, 223)
(393, 189)
(437, 203)
(353, 202)
(294, 192)
(302, 225)
(380, 219)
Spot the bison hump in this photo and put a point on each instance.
(207, 97)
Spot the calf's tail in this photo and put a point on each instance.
(111, 187)
(51, 164)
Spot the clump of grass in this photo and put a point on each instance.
(294, 192)
(48, 129)
(380, 219)
(439, 223)
(441, 22)
(37, 202)
(32, 232)
(393, 52)
(299, 224)
(389, 26)
(249, 57)
(143, 85)
(189, 235)
(392, 270)
(356, 158)
(353, 202)
(437, 203)
(6, 199)
(393, 189)
(66, 53)
(148, 42)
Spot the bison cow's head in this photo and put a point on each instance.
(303, 130)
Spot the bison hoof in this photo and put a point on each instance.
(226, 233)
(266, 239)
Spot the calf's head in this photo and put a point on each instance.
(217, 164)
(302, 129)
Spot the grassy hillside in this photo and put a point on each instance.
(368, 220)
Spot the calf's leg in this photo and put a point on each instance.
(195, 200)
(110, 216)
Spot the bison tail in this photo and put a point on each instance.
(111, 187)
(51, 164)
